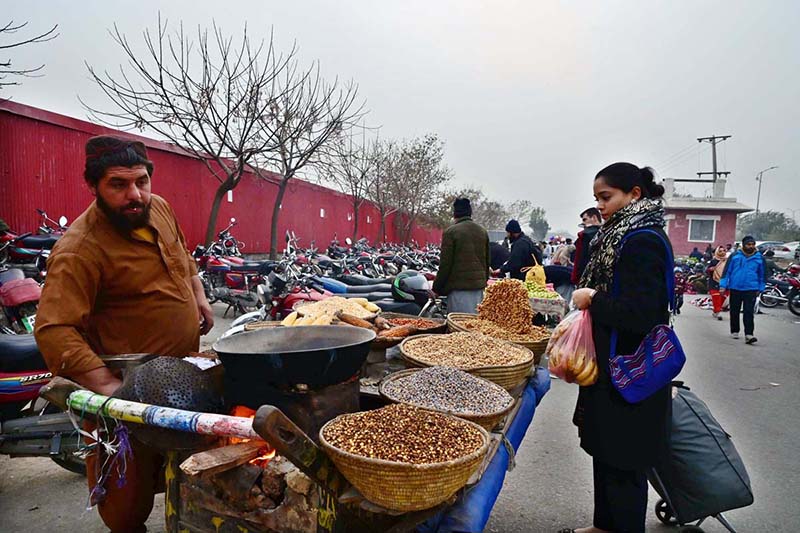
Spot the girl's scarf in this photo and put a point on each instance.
(605, 247)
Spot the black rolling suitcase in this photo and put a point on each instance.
(704, 474)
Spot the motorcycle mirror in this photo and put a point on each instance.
(62, 221)
(349, 241)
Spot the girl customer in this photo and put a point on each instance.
(623, 439)
(716, 268)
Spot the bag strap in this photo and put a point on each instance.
(669, 275)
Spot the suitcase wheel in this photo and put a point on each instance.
(665, 514)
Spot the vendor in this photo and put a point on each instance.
(120, 281)
(523, 252)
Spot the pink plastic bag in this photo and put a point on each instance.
(571, 351)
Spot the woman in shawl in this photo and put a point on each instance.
(715, 270)
(623, 439)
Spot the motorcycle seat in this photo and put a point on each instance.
(262, 267)
(392, 306)
(371, 296)
(19, 353)
(363, 289)
(357, 279)
(40, 242)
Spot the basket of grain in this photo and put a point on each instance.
(403, 457)
(450, 391)
(423, 325)
(535, 340)
(501, 362)
(357, 307)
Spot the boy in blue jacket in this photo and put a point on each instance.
(744, 277)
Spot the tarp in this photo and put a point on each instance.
(471, 511)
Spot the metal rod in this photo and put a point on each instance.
(84, 401)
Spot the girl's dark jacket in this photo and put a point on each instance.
(627, 436)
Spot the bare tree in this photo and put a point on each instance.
(298, 123)
(207, 96)
(6, 69)
(488, 213)
(381, 191)
(350, 165)
(419, 180)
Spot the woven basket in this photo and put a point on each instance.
(441, 328)
(487, 421)
(508, 377)
(405, 486)
(537, 347)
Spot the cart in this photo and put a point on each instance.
(315, 495)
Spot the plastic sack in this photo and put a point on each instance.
(535, 274)
(571, 353)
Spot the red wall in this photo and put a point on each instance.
(678, 229)
(41, 166)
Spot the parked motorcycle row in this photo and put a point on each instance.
(783, 288)
(394, 277)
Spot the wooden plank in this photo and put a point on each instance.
(218, 460)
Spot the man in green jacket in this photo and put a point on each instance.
(464, 263)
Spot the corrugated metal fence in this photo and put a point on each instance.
(41, 166)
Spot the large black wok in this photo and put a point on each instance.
(313, 355)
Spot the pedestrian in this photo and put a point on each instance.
(744, 277)
(120, 281)
(523, 251)
(770, 267)
(563, 255)
(716, 267)
(696, 254)
(708, 255)
(464, 261)
(591, 221)
(498, 254)
(625, 440)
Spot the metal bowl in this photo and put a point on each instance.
(311, 355)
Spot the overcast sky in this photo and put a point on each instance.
(531, 97)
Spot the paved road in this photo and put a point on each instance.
(551, 485)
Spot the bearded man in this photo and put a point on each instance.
(120, 281)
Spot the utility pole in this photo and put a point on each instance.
(759, 178)
(713, 140)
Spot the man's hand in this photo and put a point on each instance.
(205, 314)
(100, 380)
(582, 298)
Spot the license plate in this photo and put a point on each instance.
(29, 322)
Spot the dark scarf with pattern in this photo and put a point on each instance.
(604, 248)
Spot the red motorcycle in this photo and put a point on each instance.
(19, 300)
(29, 426)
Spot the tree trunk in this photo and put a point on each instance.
(355, 220)
(211, 229)
(276, 212)
(383, 226)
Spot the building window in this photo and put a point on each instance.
(321, 212)
(702, 228)
(349, 216)
(369, 219)
(230, 196)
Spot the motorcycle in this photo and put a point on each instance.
(30, 426)
(19, 299)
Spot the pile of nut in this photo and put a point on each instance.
(443, 388)
(506, 304)
(358, 307)
(465, 350)
(419, 323)
(404, 433)
(487, 327)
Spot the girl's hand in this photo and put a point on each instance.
(582, 298)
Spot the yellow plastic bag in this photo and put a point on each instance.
(535, 273)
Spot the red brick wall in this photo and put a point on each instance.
(678, 229)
